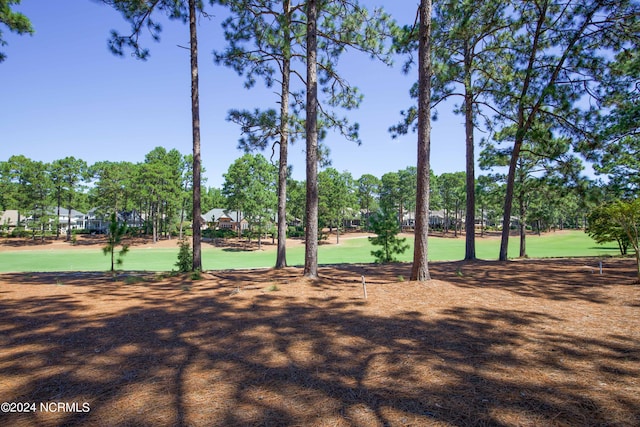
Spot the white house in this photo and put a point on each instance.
(78, 219)
(9, 219)
(221, 219)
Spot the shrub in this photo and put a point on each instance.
(385, 225)
(185, 256)
(222, 233)
(295, 232)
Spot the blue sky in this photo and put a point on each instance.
(64, 94)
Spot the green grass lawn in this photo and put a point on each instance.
(565, 244)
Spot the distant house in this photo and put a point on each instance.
(9, 219)
(99, 222)
(408, 220)
(352, 218)
(92, 220)
(78, 219)
(225, 219)
(437, 218)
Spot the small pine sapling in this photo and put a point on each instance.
(185, 256)
(114, 239)
(385, 225)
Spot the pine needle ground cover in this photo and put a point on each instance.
(522, 343)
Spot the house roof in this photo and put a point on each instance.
(65, 212)
(215, 214)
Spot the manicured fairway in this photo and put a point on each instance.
(354, 250)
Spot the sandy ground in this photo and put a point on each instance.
(84, 241)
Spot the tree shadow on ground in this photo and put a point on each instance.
(210, 357)
(555, 279)
(25, 242)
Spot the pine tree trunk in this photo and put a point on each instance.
(182, 219)
(58, 220)
(470, 221)
(420, 268)
(455, 223)
(281, 257)
(154, 220)
(523, 227)
(508, 199)
(446, 221)
(195, 122)
(311, 233)
(69, 221)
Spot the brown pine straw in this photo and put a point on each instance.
(521, 343)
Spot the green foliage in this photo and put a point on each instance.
(467, 39)
(212, 198)
(114, 187)
(223, 233)
(15, 21)
(368, 190)
(250, 187)
(267, 40)
(67, 176)
(140, 15)
(134, 280)
(385, 225)
(626, 216)
(185, 256)
(617, 151)
(452, 191)
(296, 201)
(397, 191)
(336, 197)
(602, 229)
(27, 187)
(489, 196)
(159, 181)
(114, 239)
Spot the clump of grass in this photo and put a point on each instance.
(196, 275)
(132, 280)
(401, 278)
(273, 288)
(161, 276)
(59, 282)
(186, 288)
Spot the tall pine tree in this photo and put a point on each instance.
(141, 15)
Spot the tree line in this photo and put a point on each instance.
(160, 186)
(548, 82)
